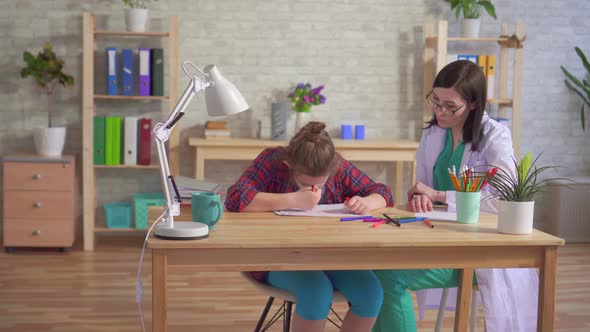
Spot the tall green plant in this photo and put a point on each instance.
(472, 8)
(580, 86)
(46, 70)
(525, 186)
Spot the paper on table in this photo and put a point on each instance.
(438, 215)
(321, 210)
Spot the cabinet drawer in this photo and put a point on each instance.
(39, 176)
(38, 205)
(36, 233)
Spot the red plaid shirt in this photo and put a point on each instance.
(268, 173)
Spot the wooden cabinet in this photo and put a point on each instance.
(39, 201)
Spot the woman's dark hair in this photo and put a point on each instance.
(468, 80)
(311, 151)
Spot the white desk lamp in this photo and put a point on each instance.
(221, 98)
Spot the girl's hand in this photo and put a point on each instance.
(358, 205)
(307, 199)
(419, 203)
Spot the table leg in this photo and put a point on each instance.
(399, 183)
(199, 164)
(463, 299)
(547, 284)
(413, 172)
(159, 291)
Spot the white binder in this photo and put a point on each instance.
(130, 140)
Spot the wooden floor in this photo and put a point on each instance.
(44, 290)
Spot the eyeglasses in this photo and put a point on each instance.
(435, 104)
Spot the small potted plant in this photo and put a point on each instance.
(580, 86)
(516, 194)
(136, 14)
(471, 11)
(302, 98)
(47, 71)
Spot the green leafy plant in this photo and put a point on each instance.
(472, 8)
(143, 4)
(580, 86)
(525, 186)
(47, 71)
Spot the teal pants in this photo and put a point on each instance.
(397, 311)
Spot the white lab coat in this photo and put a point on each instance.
(509, 296)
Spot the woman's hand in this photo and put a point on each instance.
(358, 205)
(307, 198)
(421, 189)
(419, 203)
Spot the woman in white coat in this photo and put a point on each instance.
(460, 133)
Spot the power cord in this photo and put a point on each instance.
(138, 283)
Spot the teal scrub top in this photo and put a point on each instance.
(446, 160)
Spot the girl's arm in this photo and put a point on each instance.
(264, 202)
(356, 183)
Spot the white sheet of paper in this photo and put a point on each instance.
(438, 215)
(321, 210)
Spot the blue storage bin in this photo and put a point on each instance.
(118, 214)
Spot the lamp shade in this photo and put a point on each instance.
(223, 98)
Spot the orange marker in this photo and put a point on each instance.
(313, 188)
(428, 223)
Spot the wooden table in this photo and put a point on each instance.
(397, 151)
(264, 241)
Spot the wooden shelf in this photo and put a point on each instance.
(129, 166)
(90, 172)
(479, 39)
(130, 34)
(501, 101)
(118, 230)
(119, 97)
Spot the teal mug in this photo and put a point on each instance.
(206, 208)
(468, 207)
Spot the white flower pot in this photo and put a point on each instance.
(136, 19)
(470, 27)
(515, 217)
(49, 142)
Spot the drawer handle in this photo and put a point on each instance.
(37, 205)
(36, 176)
(37, 232)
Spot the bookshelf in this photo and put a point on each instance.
(435, 58)
(89, 105)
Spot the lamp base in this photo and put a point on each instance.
(187, 230)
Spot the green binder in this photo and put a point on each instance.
(157, 71)
(99, 143)
(113, 140)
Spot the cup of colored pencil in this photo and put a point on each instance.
(468, 185)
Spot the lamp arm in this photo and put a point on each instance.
(161, 134)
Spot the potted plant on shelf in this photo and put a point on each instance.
(47, 71)
(136, 14)
(471, 11)
(580, 86)
(302, 98)
(516, 195)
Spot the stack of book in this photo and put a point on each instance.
(216, 130)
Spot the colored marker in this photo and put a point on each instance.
(373, 220)
(403, 221)
(356, 218)
(428, 223)
(392, 220)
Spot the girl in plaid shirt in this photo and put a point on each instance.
(305, 173)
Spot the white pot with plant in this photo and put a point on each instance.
(469, 12)
(46, 70)
(516, 195)
(136, 15)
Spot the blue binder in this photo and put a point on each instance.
(127, 72)
(111, 55)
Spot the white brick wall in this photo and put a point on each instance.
(367, 53)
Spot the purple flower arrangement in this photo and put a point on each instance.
(304, 96)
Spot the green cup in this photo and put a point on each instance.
(468, 207)
(206, 208)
